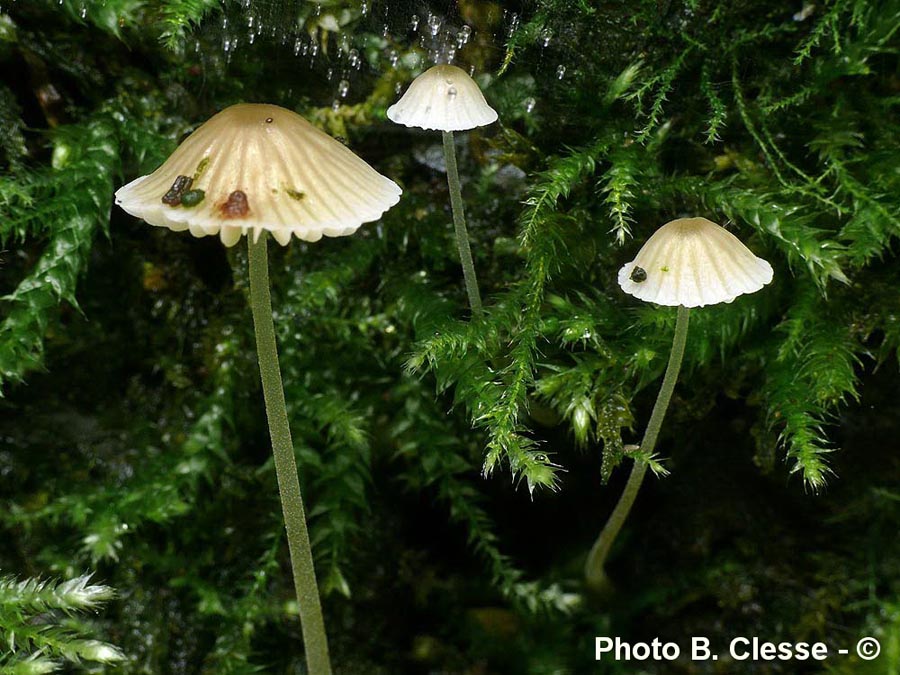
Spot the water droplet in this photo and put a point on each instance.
(546, 36)
(335, 105)
(385, 31)
(472, 70)
(414, 23)
(298, 45)
(434, 24)
(398, 88)
(314, 49)
(451, 92)
(329, 74)
(353, 58)
(513, 24)
(394, 58)
(343, 88)
(364, 8)
(560, 71)
(529, 104)
(462, 37)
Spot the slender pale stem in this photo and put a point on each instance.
(315, 640)
(594, 569)
(459, 223)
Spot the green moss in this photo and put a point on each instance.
(131, 417)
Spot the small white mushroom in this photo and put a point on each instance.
(689, 262)
(256, 167)
(693, 262)
(443, 98)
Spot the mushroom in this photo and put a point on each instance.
(689, 262)
(444, 98)
(255, 167)
(692, 262)
(260, 168)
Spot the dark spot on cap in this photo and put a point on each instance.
(638, 274)
(269, 120)
(236, 206)
(192, 198)
(173, 196)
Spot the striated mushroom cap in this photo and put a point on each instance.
(693, 262)
(255, 167)
(443, 98)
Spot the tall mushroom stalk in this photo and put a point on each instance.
(459, 224)
(689, 262)
(304, 572)
(595, 568)
(444, 98)
(257, 169)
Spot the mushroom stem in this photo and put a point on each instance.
(594, 568)
(314, 638)
(459, 223)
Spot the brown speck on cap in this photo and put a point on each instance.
(269, 120)
(236, 206)
(173, 196)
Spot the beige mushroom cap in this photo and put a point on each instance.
(693, 262)
(443, 98)
(294, 180)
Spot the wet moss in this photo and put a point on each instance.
(137, 446)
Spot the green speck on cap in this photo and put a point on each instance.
(192, 197)
(294, 194)
(201, 167)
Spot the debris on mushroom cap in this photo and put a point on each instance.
(258, 167)
(181, 185)
(236, 206)
(693, 262)
(443, 98)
